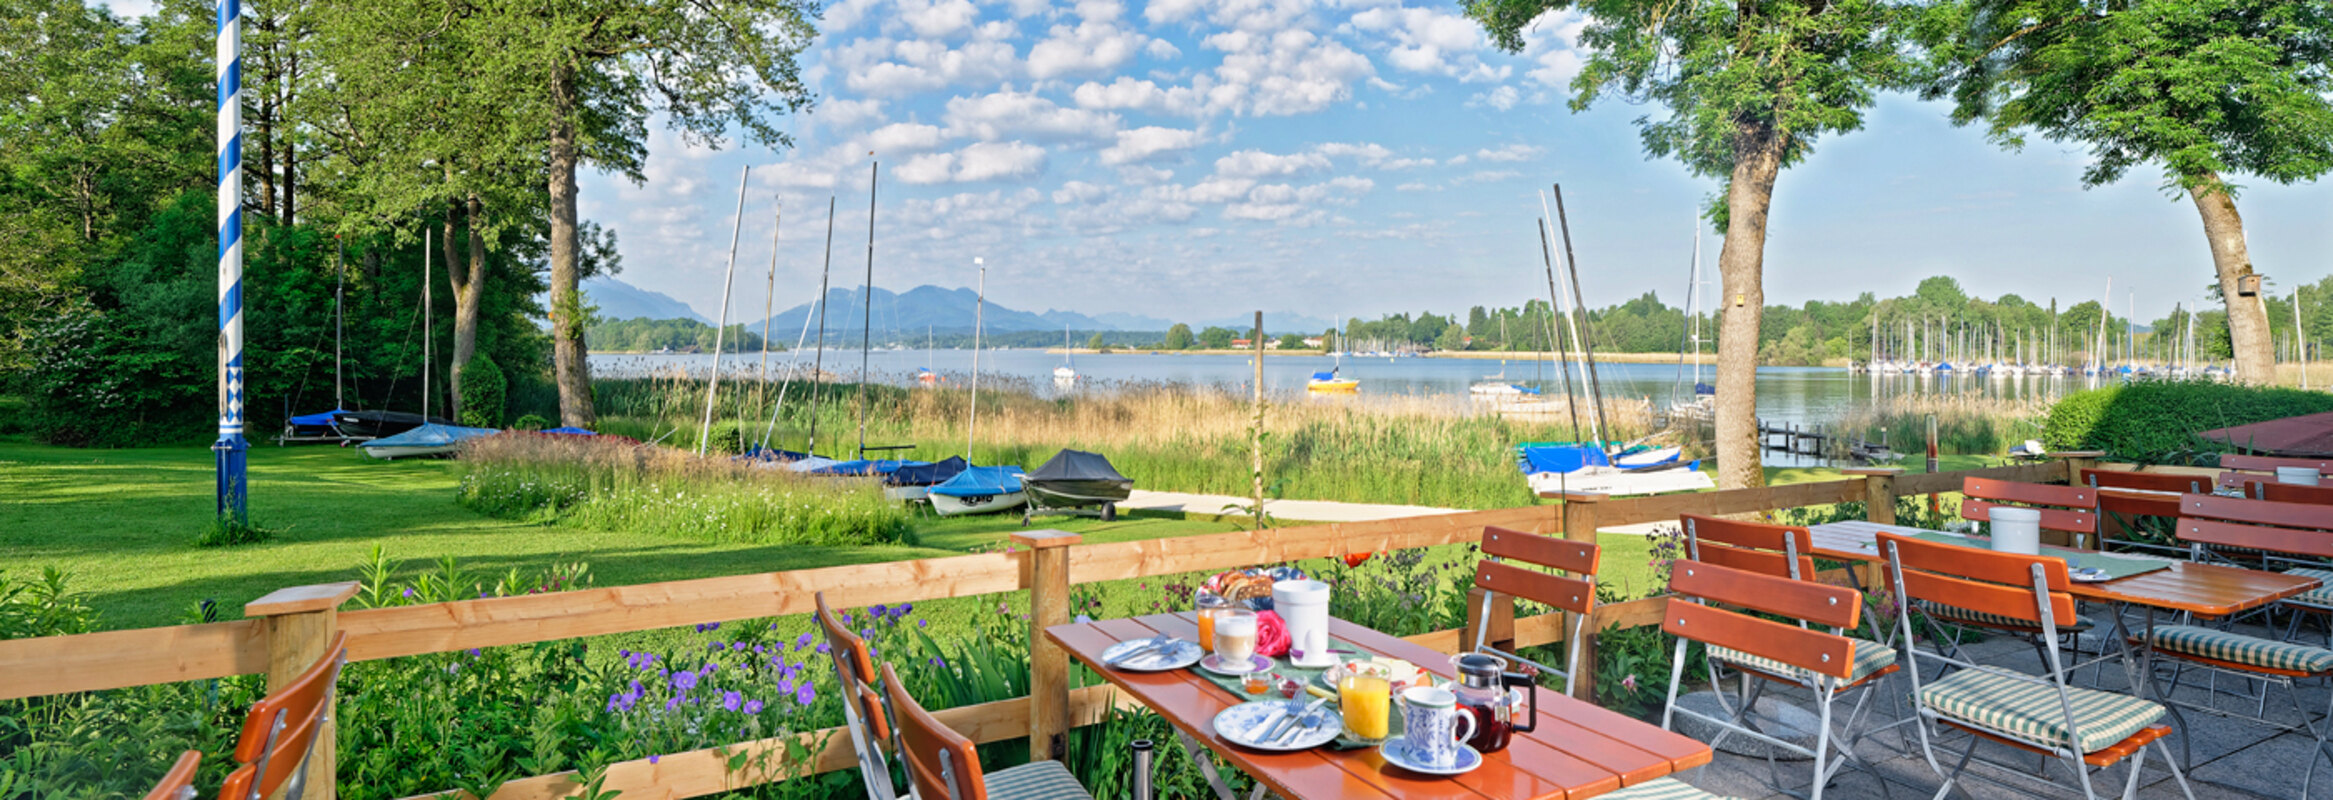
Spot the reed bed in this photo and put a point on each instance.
(612, 484)
(1170, 436)
(1965, 424)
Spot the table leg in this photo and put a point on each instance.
(1206, 762)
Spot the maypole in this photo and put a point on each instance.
(231, 448)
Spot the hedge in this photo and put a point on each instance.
(2156, 422)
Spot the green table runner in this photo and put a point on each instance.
(2117, 567)
(1284, 668)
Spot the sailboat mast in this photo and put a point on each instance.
(769, 299)
(979, 306)
(426, 244)
(339, 321)
(728, 280)
(818, 359)
(1571, 266)
(1555, 344)
(866, 315)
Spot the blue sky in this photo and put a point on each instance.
(1197, 158)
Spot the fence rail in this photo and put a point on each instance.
(291, 620)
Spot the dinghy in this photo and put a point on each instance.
(909, 484)
(431, 439)
(1593, 467)
(978, 490)
(377, 424)
(1076, 479)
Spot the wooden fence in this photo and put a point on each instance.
(286, 630)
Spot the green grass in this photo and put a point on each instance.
(123, 522)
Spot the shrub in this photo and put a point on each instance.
(2157, 421)
(483, 390)
(229, 533)
(531, 422)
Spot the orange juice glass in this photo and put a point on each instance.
(1208, 603)
(1364, 697)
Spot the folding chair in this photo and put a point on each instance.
(868, 720)
(2258, 488)
(1824, 662)
(2242, 467)
(1574, 593)
(2128, 496)
(280, 732)
(2218, 651)
(941, 764)
(2087, 730)
(2300, 516)
(178, 783)
(2067, 509)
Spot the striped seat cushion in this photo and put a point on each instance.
(1036, 780)
(2000, 700)
(1962, 616)
(2241, 649)
(1660, 789)
(2320, 596)
(1870, 657)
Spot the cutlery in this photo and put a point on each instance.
(1252, 734)
(1289, 723)
(1311, 722)
(1157, 642)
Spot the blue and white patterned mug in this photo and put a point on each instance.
(1433, 721)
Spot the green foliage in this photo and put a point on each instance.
(1216, 337)
(1097, 343)
(1290, 341)
(2157, 421)
(532, 422)
(483, 389)
(44, 607)
(1177, 338)
(229, 533)
(644, 335)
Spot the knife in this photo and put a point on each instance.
(1255, 734)
(1157, 642)
(1290, 723)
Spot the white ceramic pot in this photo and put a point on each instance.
(2016, 530)
(1304, 607)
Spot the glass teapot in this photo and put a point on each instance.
(1483, 692)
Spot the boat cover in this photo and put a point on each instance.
(1564, 457)
(1324, 376)
(981, 482)
(1703, 388)
(883, 466)
(323, 420)
(771, 454)
(571, 430)
(810, 463)
(430, 435)
(1078, 465)
(926, 474)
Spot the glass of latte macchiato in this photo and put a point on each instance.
(1235, 635)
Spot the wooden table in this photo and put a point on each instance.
(2205, 590)
(1578, 751)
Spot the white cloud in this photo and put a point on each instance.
(1502, 97)
(847, 113)
(1079, 193)
(881, 66)
(1413, 187)
(1162, 50)
(901, 138)
(1489, 175)
(1367, 152)
(1291, 72)
(1507, 153)
(1141, 95)
(1431, 42)
(1552, 43)
(1146, 143)
(1090, 47)
(1260, 164)
(934, 19)
(983, 161)
(1010, 113)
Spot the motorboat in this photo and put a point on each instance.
(1073, 480)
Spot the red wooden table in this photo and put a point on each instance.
(1579, 750)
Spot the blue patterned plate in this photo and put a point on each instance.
(1177, 654)
(1397, 753)
(1241, 724)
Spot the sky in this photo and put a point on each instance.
(1194, 159)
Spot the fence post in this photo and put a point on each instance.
(300, 621)
(1879, 492)
(1048, 583)
(1579, 525)
(2076, 461)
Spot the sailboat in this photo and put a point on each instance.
(977, 490)
(1702, 403)
(1332, 381)
(320, 427)
(1496, 388)
(924, 375)
(1066, 373)
(433, 437)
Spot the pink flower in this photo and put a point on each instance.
(1629, 682)
(1271, 635)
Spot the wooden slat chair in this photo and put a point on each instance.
(178, 783)
(1574, 592)
(2301, 516)
(2218, 651)
(2087, 730)
(2265, 466)
(2131, 496)
(2259, 488)
(2069, 509)
(942, 765)
(868, 720)
(1820, 659)
(279, 734)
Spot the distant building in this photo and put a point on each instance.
(1313, 342)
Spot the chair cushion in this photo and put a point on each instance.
(1036, 780)
(1870, 657)
(1660, 789)
(1961, 616)
(2320, 596)
(2241, 649)
(2000, 700)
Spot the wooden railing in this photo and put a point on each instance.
(285, 629)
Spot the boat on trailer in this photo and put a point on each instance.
(1074, 480)
(912, 483)
(979, 490)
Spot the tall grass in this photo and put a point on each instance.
(1965, 424)
(612, 484)
(1180, 437)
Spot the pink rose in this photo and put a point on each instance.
(1271, 635)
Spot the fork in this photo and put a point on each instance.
(1311, 722)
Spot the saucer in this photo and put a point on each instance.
(1397, 753)
(1214, 663)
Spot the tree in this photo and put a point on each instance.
(1096, 343)
(1749, 86)
(1178, 337)
(1290, 341)
(1452, 338)
(1216, 337)
(2204, 88)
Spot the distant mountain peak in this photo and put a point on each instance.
(619, 300)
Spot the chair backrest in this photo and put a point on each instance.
(1716, 586)
(280, 731)
(1777, 550)
(1574, 592)
(2129, 501)
(2323, 466)
(1983, 581)
(2288, 541)
(941, 763)
(2257, 512)
(869, 719)
(178, 783)
(2073, 509)
(2259, 488)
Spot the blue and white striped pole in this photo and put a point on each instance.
(231, 447)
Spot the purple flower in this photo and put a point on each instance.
(868, 633)
(879, 611)
(922, 623)
(652, 759)
(806, 695)
(793, 670)
(714, 645)
(757, 650)
(802, 642)
(873, 651)
(708, 668)
(901, 611)
(846, 618)
(736, 647)
(823, 649)
(613, 704)
(785, 686)
(409, 592)
(753, 706)
(684, 680)
(473, 652)
(672, 703)
(730, 700)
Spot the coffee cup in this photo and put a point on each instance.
(1434, 726)
(1235, 636)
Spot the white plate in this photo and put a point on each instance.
(1214, 663)
(1234, 724)
(1177, 654)
(2089, 575)
(1396, 752)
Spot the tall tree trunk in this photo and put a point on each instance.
(465, 276)
(2247, 316)
(1742, 262)
(572, 372)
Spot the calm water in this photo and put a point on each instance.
(1802, 395)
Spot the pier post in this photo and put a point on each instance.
(1047, 578)
(300, 621)
(1579, 525)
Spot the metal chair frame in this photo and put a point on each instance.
(866, 743)
(1579, 621)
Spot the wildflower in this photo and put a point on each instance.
(736, 647)
(473, 652)
(806, 695)
(672, 703)
(753, 706)
(880, 612)
(802, 642)
(823, 649)
(922, 623)
(716, 645)
(786, 685)
(652, 759)
(757, 650)
(684, 680)
(730, 700)
(454, 668)
(1629, 682)
(901, 611)
(408, 592)
(1002, 610)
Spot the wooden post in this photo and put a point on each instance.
(300, 621)
(1579, 525)
(1879, 492)
(1048, 584)
(2076, 461)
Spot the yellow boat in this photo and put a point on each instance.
(1329, 383)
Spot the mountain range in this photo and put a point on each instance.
(924, 307)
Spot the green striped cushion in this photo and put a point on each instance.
(1660, 789)
(1036, 780)
(1962, 616)
(1870, 657)
(2320, 596)
(2241, 649)
(2000, 700)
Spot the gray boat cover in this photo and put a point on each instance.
(1077, 465)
